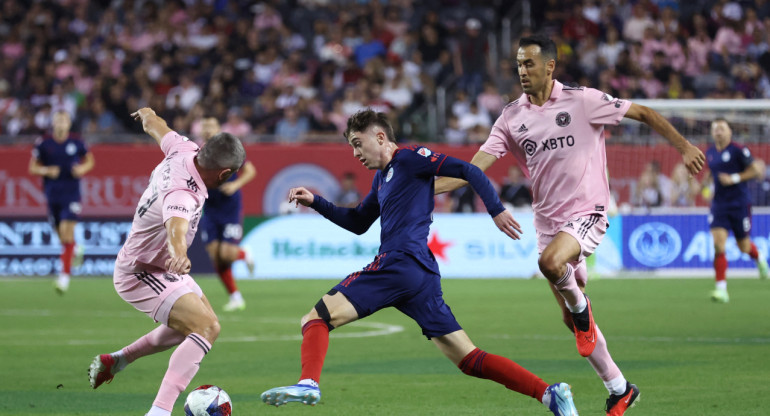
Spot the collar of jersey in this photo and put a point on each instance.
(558, 87)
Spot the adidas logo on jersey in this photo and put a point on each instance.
(522, 129)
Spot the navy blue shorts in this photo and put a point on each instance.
(218, 227)
(59, 211)
(737, 220)
(397, 279)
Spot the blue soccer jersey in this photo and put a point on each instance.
(220, 204)
(65, 155)
(402, 196)
(734, 158)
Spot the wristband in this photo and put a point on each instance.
(736, 177)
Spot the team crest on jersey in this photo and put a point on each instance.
(389, 176)
(746, 152)
(71, 149)
(529, 147)
(170, 277)
(563, 119)
(424, 152)
(725, 156)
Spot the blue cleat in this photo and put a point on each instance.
(302, 393)
(561, 400)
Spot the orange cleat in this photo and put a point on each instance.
(586, 337)
(618, 404)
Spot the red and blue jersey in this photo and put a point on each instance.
(734, 158)
(65, 155)
(402, 197)
(218, 203)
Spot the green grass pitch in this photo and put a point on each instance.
(688, 355)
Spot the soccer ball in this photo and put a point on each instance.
(208, 400)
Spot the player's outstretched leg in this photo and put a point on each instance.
(305, 392)
(617, 404)
(559, 398)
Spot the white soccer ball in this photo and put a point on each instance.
(208, 400)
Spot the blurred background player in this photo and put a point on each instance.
(222, 223)
(152, 268)
(730, 166)
(62, 159)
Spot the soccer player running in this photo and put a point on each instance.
(731, 166)
(151, 270)
(62, 159)
(221, 225)
(404, 274)
(556, 132)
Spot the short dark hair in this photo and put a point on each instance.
(222, 151)
(718, 119)
(547, 46)
(364, 119)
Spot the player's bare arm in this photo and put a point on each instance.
(245, 175)
(85, 166)
(36, 168)
(176, 230)
(481, 159)
(301, 195)
(151, 123)
(692, 157)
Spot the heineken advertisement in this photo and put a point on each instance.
(465, 246)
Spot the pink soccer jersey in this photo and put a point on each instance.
(175, 190)
(560, 146)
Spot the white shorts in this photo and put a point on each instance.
(588, 230)
(154, 293)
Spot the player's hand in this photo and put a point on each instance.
(77, 171)
(143, 113)
(693, 159)
(52, 172)
(228, 188)
(178, 264)
(507, 224)
(301, 195)
(725, 179)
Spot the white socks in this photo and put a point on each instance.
(616, 386)
(157, 411)
(308, 382)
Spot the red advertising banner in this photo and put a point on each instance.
(121, 174)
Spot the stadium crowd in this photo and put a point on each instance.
(288, 70)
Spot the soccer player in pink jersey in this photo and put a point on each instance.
(556, 134)
(151, 270)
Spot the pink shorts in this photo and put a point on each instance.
(154, 293)
(588, 230)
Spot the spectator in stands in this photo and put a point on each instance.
(453, 134)
(683, 187)
(610, 49)
(648, 193)
(349, 197)
(475, 116)
(293, 127)
(516, 189)
(235, 123)
(633, 30)
(470, 57)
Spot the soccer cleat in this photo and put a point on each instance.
(585, 339)
(762, 266)
(617, 404)
(77, 259)
(720, 296)
(61, 284)
(234, 305)
(297, 393)
(249, 262)
(561, 400)
(101, 370)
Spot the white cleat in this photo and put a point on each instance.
(235, 305)
(61, 284)
(301, 393)
(250, 264)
